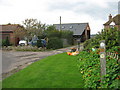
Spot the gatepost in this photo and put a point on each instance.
(78, 41)
(102, 59)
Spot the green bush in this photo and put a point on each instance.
(51, 32)
(54, 43)
(115, 49)
(67, 35)
(27, 48)
(111, 37)
(89, 66)
(5, 42)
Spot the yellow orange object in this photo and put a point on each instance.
(73, 53)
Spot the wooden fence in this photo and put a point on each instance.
(113, 55)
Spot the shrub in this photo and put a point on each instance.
(54, 43)
(115, 49)
(5, 42)
(67, 35)
(51, 32)
(8, 48)
(89, 66)
(111, 37)
(27, 48)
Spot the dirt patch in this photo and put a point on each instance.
(16, 69)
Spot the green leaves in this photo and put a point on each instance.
(89, 67)
(51, 32)
(111, 37)
(6, 42)
(33, 27)
(54, 43)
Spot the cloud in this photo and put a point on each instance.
(48, 11)
(96, 13)
(96, 10)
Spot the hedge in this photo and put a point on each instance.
(54, 43)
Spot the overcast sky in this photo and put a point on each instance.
(95, 12)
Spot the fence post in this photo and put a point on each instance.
(102, 59)
(79, 41)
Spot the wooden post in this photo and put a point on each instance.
(86, 34)
(60, 23)
(102, 59)
(78, 41)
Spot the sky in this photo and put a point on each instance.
(94, 12)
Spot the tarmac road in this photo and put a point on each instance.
(13, 59)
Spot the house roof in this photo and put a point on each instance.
(77, 28)
(115, 19)
(10, 27)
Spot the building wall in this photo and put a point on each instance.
(8, 31)
(118, 27)
(11, 37)
(5, 35)
(88, 34)
(108, 27)
(85, 36)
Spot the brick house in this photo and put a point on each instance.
(113, 22)
(80, 30)
(8, 31)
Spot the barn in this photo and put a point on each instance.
(81, 31)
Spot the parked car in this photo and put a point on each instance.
(33, 42)
(22, 42)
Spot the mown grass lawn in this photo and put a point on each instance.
(57, 71)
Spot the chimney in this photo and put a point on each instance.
(110, 17)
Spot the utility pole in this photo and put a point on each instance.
(60, 23)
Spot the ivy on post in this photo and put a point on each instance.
(102, 59)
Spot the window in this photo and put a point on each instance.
(111, 26)
(63, 27)
(71, 27)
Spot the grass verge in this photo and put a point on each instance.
(57, 71)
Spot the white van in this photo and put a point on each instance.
(22, 42)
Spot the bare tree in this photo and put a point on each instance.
(20, 32)
(33, 27)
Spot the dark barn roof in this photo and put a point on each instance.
(77, 28)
